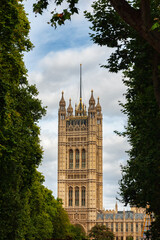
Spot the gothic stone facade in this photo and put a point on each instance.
(80, 161)
(80, 180)
(123, 223)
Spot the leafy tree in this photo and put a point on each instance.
(47, 217)
(141, 15)
(61, 223)
(20, 111)
(101, 232)
(76, 233)
(138, 14)
(141, 176)
(42, 209)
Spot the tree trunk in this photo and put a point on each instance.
(156, 77)
(139, 19)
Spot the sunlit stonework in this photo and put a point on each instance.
(80, 161)
(80, 170)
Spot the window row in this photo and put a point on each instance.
(77, 197)
(77, 159)
(128, 226)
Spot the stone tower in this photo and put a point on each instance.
(80, 180)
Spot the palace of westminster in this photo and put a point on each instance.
(80, 172)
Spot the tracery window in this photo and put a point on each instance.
(116, 227)
(83, 195)
(77, 158)
(62, 116)
(126, 227)
(71, 159)
(121, 227)
(70, 196)
(83, 158)
(136, 227)
(77, 196)
(112, 226)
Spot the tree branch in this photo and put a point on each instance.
(146, 14)
(138, 20)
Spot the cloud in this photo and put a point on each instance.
(54, 66)
(59, 71)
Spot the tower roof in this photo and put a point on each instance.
(62, 101)
(70, 109)
(91, 100)
(98, 106)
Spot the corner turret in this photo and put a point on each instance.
(62, 108)
(70, 109)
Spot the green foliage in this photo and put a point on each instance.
(28, 211)
(20, 110)
(76, 233)
(100, 232)
(141, 176)
(156, 25)
(61, 224)
(129, 238)
(58, 18)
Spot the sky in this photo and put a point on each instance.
(54, 66)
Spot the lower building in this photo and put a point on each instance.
(123, 223)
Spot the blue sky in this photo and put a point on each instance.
(53, 65)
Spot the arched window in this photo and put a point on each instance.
(70, 196)
(83, 158)
(83, 195)
(71, 159)
(77, 158)
(77, 196)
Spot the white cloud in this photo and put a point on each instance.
(53, 67)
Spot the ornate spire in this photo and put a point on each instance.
(70, 109)
(62, 102)
(98, 106)
(91, 101)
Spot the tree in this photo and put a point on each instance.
(76, 233)
(47, 218)
(141, 176)
(136, 13)
(20, 111)
(139, 14)
(100, 232)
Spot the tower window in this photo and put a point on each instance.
(70, 196)
(98, 121)
(121, 227)
(83, 158)
(116, 227)
(77, 196)
(136, 227)
(71, 159)
(126, 227)
(77, 158)
(62, 116)
(83, 196)
(112, 226)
